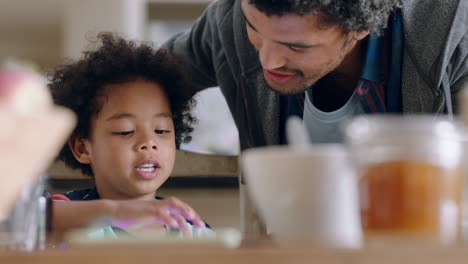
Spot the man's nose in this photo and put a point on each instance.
(271, 56)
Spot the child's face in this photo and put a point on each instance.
(132, 142)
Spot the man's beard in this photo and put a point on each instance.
(299, 88)
(295, 90)
(306, 82)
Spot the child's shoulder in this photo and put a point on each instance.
(83, 195)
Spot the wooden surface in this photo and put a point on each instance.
(249, 254)
(187, 164)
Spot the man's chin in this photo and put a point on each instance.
(285, 89)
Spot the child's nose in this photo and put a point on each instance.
(148, 146)
(147, 143)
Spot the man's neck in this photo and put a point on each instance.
(335, 89)
(347, 74)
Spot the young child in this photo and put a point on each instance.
(132, 115)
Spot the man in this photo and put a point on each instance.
(327, 60)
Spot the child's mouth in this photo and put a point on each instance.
(148, 170)
(146, 167)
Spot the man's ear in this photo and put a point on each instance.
(359, 35)
(79, 148)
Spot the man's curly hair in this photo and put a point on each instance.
(351, 15)
(76, 85)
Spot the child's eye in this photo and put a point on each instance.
(160, 131)
(123, 133)
(296, 49)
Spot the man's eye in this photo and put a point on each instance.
(160, 131)
(123, 133)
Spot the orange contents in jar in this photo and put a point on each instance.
(410, 197)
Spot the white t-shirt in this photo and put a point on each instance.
(326, 127)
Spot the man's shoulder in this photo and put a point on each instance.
(434, 21)
(223, 18)
(220, 9)
(430, 10)
(224, 6)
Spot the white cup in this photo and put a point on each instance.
(306, 194)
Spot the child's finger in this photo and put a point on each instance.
(183, 226)
(177, 207)
(167, 219)
(197, 221)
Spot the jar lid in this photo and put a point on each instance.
(372, 127)
(379, 138)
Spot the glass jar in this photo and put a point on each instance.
(24, 229)
(410, 176)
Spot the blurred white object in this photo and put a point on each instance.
(296, 133)
(32, 131)
(30, 95)
(305, 194)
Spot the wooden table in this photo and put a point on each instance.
(249, 253)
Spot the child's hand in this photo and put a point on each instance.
(170, 211)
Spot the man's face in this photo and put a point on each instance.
(295, 51)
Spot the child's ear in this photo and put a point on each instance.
(80, 150)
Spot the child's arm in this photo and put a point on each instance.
(77, 214)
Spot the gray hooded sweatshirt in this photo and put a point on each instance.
(217, 52)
